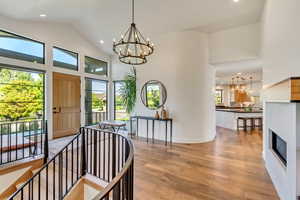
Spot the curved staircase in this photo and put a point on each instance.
(95, 164)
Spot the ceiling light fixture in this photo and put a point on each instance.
(236, 1)
(101, 42)
(43, 15)
(133, 48)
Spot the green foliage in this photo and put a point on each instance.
(153, 99)
(128, 91)
(20, 94)
(98, 103)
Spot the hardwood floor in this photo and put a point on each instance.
(230, 168)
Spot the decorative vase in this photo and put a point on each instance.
(156, 115)
(164, 113)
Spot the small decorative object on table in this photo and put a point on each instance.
(164, 113)
(248, 109)
(156, 115)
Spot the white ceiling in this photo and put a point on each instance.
(107, 19)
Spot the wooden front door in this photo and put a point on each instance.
(66, 104)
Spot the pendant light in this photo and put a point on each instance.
(133, 48)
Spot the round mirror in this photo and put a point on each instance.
(154, 94)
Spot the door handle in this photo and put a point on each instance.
(55, 110)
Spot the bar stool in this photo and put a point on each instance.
(260, 122)
(245, 123)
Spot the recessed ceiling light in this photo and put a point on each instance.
(101, 42)
(43, 15)
(236, 1)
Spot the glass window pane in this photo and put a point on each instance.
(95, 101)
(18, 47)
(219, 96)
(65, 59)
(21, 95)
(120, 108)
(95, 66)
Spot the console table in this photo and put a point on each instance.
(153, 119)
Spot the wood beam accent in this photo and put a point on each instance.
(287, 90)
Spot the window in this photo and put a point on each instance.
(95, 66)
(119, 107)
(65, 59)
(21, 95)
(219, 96)
(18, 47)
(95, 101)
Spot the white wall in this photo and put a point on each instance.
(281, 41)
(235, 44)
(60, 35)
(282, 119)
(280, 57)
(180, 62)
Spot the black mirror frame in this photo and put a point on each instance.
(164, 100)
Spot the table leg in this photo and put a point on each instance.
(171, 132)
(153, 131)
(147, 131)
(137, 128)
(130, 127)
(166, 138)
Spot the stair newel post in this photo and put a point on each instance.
(46, 142)
(83, 152)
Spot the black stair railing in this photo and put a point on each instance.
(103, 154)
(23, 139)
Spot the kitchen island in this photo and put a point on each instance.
(227, 118)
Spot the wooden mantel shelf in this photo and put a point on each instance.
(287, 90)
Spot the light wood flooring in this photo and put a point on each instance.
(229, 168)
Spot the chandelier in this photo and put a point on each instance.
(133, 48)
(239, 82)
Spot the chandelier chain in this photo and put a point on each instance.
(132, 11)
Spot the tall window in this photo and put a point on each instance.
(219, 96)
(65, 59)
(95, 66)
(18, 47)
(119, 107)
(21, 95)
(95, 101)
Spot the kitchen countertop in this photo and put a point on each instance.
(239, 111)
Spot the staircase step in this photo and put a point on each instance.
(11, 179)
(13, 176)
(87, 188)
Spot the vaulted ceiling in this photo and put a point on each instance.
(107, 19)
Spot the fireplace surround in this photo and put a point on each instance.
(279, 147)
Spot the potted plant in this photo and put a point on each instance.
(128, 91)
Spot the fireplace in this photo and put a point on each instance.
(279, 147)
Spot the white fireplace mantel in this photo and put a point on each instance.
(284, 119)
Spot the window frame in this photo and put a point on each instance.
(62, 49)
(25, 69)
(106, 74)
(118, 81)
(106, 93)
(30, 39)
